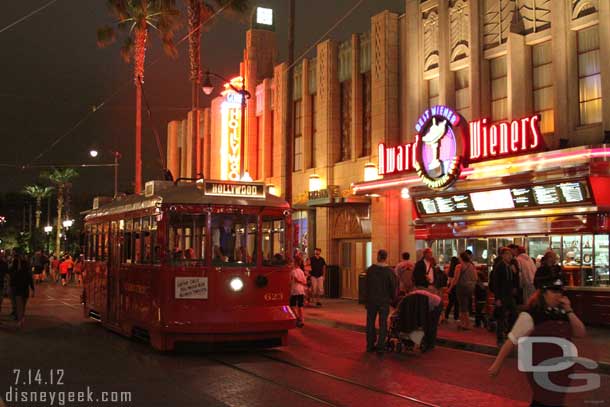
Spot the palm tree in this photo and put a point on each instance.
(199, 11)
(135, 17)
(38, 193)
(61, 178)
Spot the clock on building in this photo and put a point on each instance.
(264, 16)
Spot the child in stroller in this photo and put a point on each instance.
(414, 323)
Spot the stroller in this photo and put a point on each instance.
(414, 323)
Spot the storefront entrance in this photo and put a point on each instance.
(354, 257)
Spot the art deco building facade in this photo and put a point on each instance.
(496, 59)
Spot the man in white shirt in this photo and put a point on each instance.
(528, 271)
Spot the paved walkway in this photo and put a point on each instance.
(348, 314)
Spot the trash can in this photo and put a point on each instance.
(333, 281)
(361, 288)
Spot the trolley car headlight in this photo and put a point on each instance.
(236, 284)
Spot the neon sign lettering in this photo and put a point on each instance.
(485, 141)
(501, 139)
(230, 118)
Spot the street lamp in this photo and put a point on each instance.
(208, 88)
(67, 223)
(93, 153)
(48, 229)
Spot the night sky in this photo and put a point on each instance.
(53, 75)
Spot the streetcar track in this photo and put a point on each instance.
(276, 383)
(322, 373)
(350, 381)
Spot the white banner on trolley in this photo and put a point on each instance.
(191, 288)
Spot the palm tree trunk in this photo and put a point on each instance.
(60, 207)
(194, 17)
(139, 54)
(38, 211)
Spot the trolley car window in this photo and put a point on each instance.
(274, 249)
(105, 240)
(234, 239)
(187, 237)
(127, 237)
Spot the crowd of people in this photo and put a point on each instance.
(20, 273)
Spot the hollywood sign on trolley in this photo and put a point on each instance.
(483, 141)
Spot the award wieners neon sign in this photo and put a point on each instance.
(445, 143)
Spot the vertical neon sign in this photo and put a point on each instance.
(230, 146)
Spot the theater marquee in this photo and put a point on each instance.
(243, 190)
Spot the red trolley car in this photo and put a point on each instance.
(190, 262)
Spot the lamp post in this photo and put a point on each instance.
(94, 153)
(208, 88)
(67, 224)
(48, 229)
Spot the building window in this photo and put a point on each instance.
(298, 135)
(589, 78)
(366, 114)
(462, 92)
(499, 91)
(365, 52)
(346, 120)
(433, 92)
(314, 129)
(542, 63)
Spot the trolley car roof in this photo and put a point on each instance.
(181, 194)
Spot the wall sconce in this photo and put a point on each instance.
(272, 190)
(404, 193)
(370, 172)
(315, 183)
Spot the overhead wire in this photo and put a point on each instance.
(11, 25)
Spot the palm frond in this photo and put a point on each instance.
(127, 49)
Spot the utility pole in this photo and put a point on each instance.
(289, 107)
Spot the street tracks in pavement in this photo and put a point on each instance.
(266, 356)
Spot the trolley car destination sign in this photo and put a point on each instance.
(445, 143)
(239, 189)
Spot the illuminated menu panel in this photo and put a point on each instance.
(506, 199)
(572, 192)
(546, 195)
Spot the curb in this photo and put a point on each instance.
(603, 368)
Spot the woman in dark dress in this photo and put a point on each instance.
(21, 283)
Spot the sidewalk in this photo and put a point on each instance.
(348, 314)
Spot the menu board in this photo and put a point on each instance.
(444, 204)
(534, 196)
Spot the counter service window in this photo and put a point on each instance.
(274, 249)
(234, 239)
(186, 238)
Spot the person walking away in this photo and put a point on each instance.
(423, 274)
(318, 271)
(548, 314)
(453, 303)
(3, 275)
(55, 269)
(404, 273)
(380, 288)
(298, 282)
(38, 266)
(64, 268)
(465, 280)
(480, 298)
(78, 270)
(21, 283)
(528, 273)
(440, 285)
(501, 283)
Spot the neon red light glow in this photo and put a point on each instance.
(486, 141)
(502, 139)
